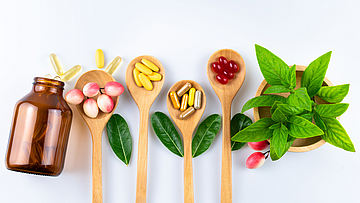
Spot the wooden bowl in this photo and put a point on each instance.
(300, 144)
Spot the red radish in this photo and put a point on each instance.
(255, 160)
(105, 103)
(91, 89)
(74, 96)
(113, 89)
(258, 146)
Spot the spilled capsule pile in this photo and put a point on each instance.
(59, 70)
(146, 72)
(100, 61)
(190, 100)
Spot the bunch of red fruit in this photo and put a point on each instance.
(104, 102)
(257, 159)
(224, 69)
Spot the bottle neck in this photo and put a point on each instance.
(48, 86)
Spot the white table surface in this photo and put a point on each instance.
(182, 36)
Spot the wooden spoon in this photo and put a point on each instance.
(226, 94)
(143, 99)
(187, 127)
(96, 126)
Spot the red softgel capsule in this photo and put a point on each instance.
(223, 62)
(216, 68)
(228, 74)
(233, 66)
(222, 79)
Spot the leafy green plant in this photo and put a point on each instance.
(293, 117)
(169, 136)
(119, 137)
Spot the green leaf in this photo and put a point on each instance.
(279, 116)
(290, 110)
(272, 67)
(301, 128)
(331, 110)
(205, 134)
(333, 94)
(308, 116)
(300, 98)
(276, 89)
(167, 133)
(274, 126)
(314, 74)
(119, 137)
(279, 139)
(238, 122)
(263, 100)
(256, 132)
(273, 154)
(336, 135)
(291, 77)
(319, 122)
(274, 106)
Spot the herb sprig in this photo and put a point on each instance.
(293, 117)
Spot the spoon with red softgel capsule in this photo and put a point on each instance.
(226, 89)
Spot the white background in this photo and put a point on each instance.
(182, 35)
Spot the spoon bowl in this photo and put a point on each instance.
(187, 127)
(226, 94)
(143, 99)
(96, 126)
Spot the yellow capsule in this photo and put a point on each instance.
(191, 96)
(56, 64)
(150, 65)
(111, 68)
(70, 73)
(145, 81)
(187, 113)
(184, 102)
(174, 99)
(99, 58)
(136, 73)
(183, 89)
(142, 68)
(155, 76)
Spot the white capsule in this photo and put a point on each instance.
(198, 99)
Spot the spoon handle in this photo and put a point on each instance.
(188, 170)
(142, 157)
(226, 176)
(97, 166)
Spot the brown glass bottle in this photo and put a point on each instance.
(40, 130)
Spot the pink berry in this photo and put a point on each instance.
(105, 103)
(114, 89)
(255, 160)
(91, 89)
(258, 146)
(74, 96)
(91, 108)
